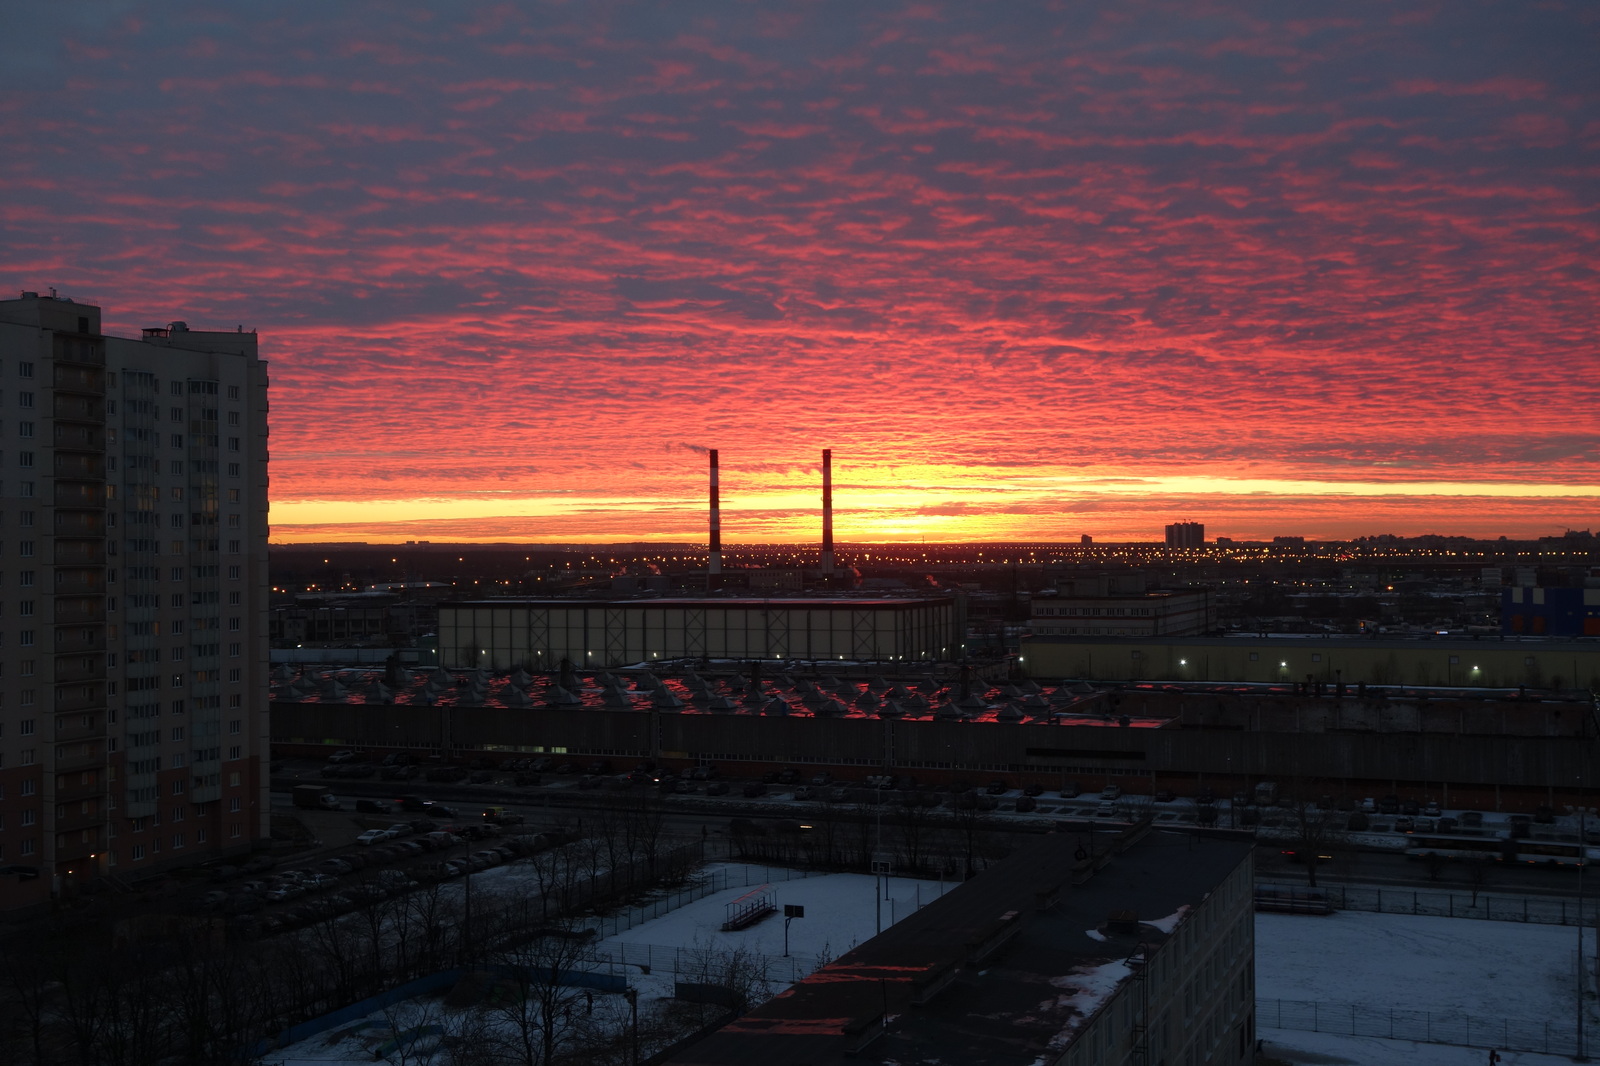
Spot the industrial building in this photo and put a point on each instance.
(1487, 663)
(1119, 605)
(133, 487)
(1081, 948)
(1466, 747)
(1550, 612)
(536, 635)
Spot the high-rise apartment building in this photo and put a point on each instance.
(133, 595)
(1186, 535)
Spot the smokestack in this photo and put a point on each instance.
(827, 510)
(714, 563)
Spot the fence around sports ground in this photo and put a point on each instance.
(1444, 903)
(1459, 1028)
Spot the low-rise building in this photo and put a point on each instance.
(1080, 949)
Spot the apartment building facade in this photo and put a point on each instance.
(133, 595)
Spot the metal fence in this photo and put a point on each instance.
(716, 881)
(703, 963)
(1539, 910)
(1428, 1027)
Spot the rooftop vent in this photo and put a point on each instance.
(1122, 922)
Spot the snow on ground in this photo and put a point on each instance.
(1320, 1049)
(1488, 969)
(840, 912)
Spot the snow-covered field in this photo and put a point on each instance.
(1493, 969)
(1320, 1049)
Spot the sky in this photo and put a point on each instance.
(1032, 270)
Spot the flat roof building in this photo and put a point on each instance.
(1080, 949)
(537, 634)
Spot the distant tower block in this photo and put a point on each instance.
(714, 562)
(1186, 535)
(827, 510)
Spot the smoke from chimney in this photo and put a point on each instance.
(827, 510)
(714, 562)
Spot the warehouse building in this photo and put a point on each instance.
(1489, 663)
(537, 634)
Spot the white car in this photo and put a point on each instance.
(373, 836)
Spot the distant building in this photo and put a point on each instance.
(537, 634)
(1550, 612)
(1086, 540)
(1118, 605)
(133, 508)
(1186, 535)
(1081, 948)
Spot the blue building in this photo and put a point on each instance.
(1552, 612)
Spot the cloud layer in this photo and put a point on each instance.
(988, 253)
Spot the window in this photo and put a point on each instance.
(233, 572)
(28, 759)
(233, 470)
(177, 732)
(25, 518)
(25, 638)
(233, 779)
(233, 521)
(138, 852)
(235, 726)
(177, 680)
(25, 727)
(175, 467)
(234, 752)
(28, 787)
(233, 675)
(177, 599)
(233, 625)
(176, 389)
(25, 549)
(233, 418)
(25, 578)
(25, 459)
(234, 805)
(27, 847)
(233, 650)
(233, 495)
(27, 489)
(24, 429)
(233, 444)
(233, 392)
(177, 521)
(24, 369)
(177, 841)
(25, 608)
(25, 399)
(236, 700)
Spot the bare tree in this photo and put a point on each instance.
(543, 1003)
(1316, 828)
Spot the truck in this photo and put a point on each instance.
(315, 798)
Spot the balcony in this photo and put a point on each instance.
(79, 611)
(76, 730)
(87, 668)
(78, 493)
(77, 793)
(75, 850)
(69, 700)
(79, 408)
(93, 760)
(81, 523)
(71, 582)
(80, 553)
(74, 822)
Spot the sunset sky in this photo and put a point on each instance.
(1030, 269)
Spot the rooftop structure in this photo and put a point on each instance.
(1077, 949)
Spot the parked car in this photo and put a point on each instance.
(1026, 804)
(717, 788)
(996, 788)
(1033, 790)
(754, 789)
(1114, 792)
(1166, 795)
(373, 836)
(804, 792)
(1471, 819)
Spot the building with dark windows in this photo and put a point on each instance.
(133, 592)
(1186, 535)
